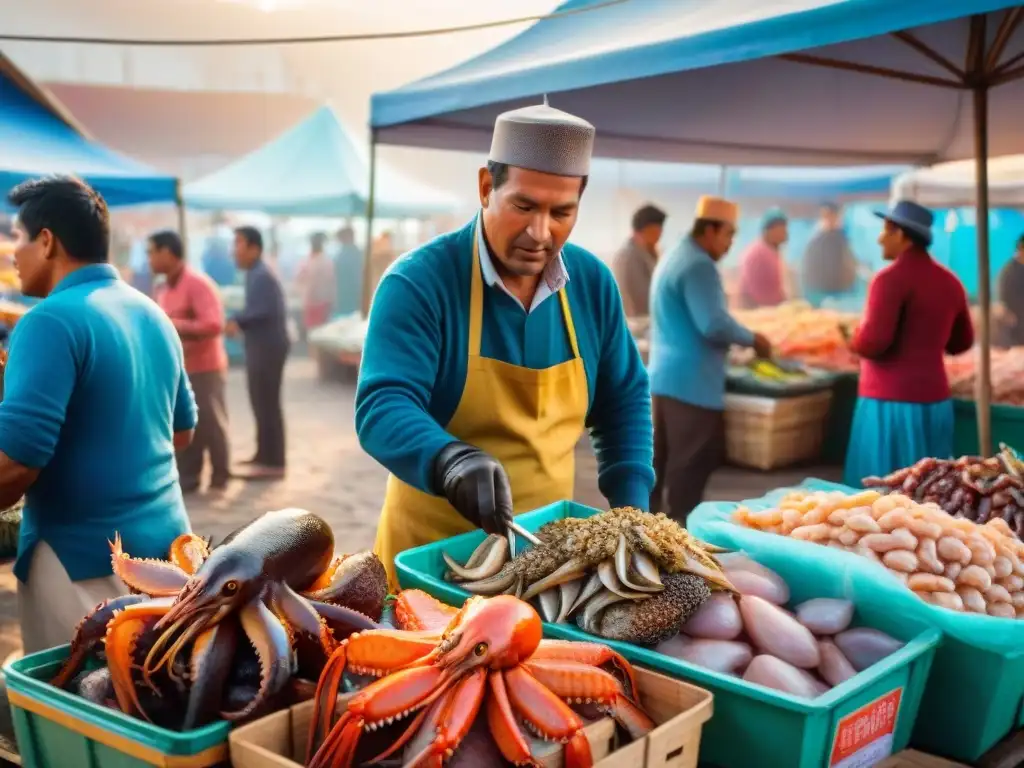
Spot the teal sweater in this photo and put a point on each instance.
(414, 362)
(691, 328)
(95, 390)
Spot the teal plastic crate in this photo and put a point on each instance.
(974, 695)
(56, 729)
(1007, 427)
(751, 726)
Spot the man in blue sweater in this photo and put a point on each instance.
(96, 402)
(490, 350)
(691, 332)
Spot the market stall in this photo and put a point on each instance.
(39, 137)
(273, 650)
(315, 169)
(338, 346)
(814, 78)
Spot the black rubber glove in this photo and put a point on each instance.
(475, 484)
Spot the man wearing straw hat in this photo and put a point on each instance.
(691, 332)
(492, 349)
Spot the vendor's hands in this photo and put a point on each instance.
(475, 484)
(762, 347)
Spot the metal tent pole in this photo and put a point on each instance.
(983, 395)
(179, 203)
(371, 194)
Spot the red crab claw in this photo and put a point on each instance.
(582, 684)
(436, 733)
(375, 652)
(416, 610)
(380, 704)
(591, 654)
(515, 694)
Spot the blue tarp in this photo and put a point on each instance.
(696, 81)
(313, 169)
(774, 184)
(36, 142)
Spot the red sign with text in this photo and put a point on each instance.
(864, 737)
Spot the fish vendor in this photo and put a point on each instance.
(97, 400)
(492, 349)
(691, 332)
(916, 312)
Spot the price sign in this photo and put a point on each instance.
(864, 737)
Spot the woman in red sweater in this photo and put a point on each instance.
(916, 312)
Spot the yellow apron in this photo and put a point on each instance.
(529, 420)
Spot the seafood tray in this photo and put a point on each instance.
(752, 725)
(1007, 426)
(279, 740)
(741, 380)
(57, 729)
(975, 689)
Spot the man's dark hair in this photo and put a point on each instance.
(647, 216)
(499, 175)
(252, 236)
(170, 240)
(830, 206)
(700, 226)
(73, 211)
(916, 240)
(1020, 243)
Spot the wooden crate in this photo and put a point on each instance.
(911, 758)
(768, 433)
(680, 709)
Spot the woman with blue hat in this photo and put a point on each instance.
(916, 312)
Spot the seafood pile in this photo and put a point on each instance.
(622, 574)
(949, 562)
(804, 652)
(224, 632)
(816, 337)
(476, 686)
(971, 487)
(1007, 375)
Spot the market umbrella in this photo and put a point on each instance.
(953, 185)
(799, 82)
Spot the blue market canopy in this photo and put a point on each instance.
(38, 137)
(776, 184)
(809, 82)
(313, 169)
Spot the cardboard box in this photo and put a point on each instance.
(911, 758)
(680, 709)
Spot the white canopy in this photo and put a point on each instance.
(952, 185)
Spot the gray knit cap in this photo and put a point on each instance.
(542, 138)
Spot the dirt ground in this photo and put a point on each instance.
(328, 473)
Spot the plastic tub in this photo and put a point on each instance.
(751, 726)
(1007, 427)
(57, 729)
(974, 694)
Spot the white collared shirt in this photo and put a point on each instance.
(555, 275)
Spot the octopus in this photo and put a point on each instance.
(274, 582)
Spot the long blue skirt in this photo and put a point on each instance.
(888, 435)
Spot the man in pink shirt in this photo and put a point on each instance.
(193, 304)
(762, 270)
